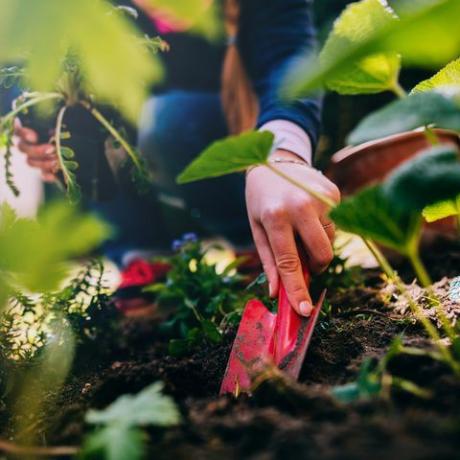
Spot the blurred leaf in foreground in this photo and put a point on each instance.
(448, 77)
(117, 68)
(441, 210)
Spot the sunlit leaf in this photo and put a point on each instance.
(441, 210)
(230, 155)
(430, 177)
(374, 73)
(417, 110)
(371, 215)
(427, 35)
(114, 442)
(116, 67)
(149, 407)
(447, 77)
(35, 252)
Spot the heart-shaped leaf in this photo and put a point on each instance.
(441, 210)
(420, 109)
(449, 76)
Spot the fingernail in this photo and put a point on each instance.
(305, 308)
(270, 289)
(49, 151)
(30, 138)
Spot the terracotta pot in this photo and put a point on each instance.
(353, 168)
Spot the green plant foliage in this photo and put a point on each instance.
(198, 302)
(118, 436)
(233, 154)
(418, 110)
(449, 76)
(33, 253)
(441, 210)
(372, 74)
(426, 35)
(371, 215)
(117, 68)
(431, 177)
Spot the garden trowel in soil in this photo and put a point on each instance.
(266, 338)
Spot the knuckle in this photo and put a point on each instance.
(288, 263)
(324, 257)
(334, 192)
(273, 215)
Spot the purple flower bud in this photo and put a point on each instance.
(190, 238)
(176, 245)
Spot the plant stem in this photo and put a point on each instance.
(419, 269)
(319, 196)
(57, 140)
(116, 135)
(399, 90)
(31, 102)
(431, 136)
(416, 310)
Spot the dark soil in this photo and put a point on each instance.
(283, 419)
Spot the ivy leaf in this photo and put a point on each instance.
(149, 407)
(449, 76)
(117, 68)
(371, 215)
(441, 210)
(114, 442)
(420, 109)
(35, 253)
(233, 154)
(373, 74)
(426, 35)
(430, 177)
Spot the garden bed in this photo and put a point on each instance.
(282, 419)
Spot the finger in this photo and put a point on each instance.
(44, 165)
(49, 177)
(281, 237)
(29, 135)
(35, 150)
(266, 256)
(330, 231)
(317, 243)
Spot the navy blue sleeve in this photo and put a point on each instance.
(273, 33)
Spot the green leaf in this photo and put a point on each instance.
(373, 74)
(35, 252)
(441, 210)
(115, 442)
(449, 76)
(427, 35)
(371, 215)
(420, 109)
(234, 154)
(149, 407)
(211, 332)
(117, 68)
(430, 177)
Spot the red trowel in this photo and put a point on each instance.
(265, 338)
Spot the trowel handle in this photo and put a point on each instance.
(288, 321)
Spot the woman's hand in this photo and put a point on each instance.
(281, 217)
(41, 156)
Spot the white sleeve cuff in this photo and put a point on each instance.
(290, 136)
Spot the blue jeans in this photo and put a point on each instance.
(174, 129)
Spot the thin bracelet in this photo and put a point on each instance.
(279, 160)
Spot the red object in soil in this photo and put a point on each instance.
(141, 273)
(265, 338)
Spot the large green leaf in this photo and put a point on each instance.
(374, 73)
(420, 109)
(441, 210)
(426, 35)
(149, 407)
(114, 442)
(371, 215)
(233, 154)
(449, 76)
(118, 68)
(431, 177)
(34, 253)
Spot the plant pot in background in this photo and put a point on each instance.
(353, 168)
